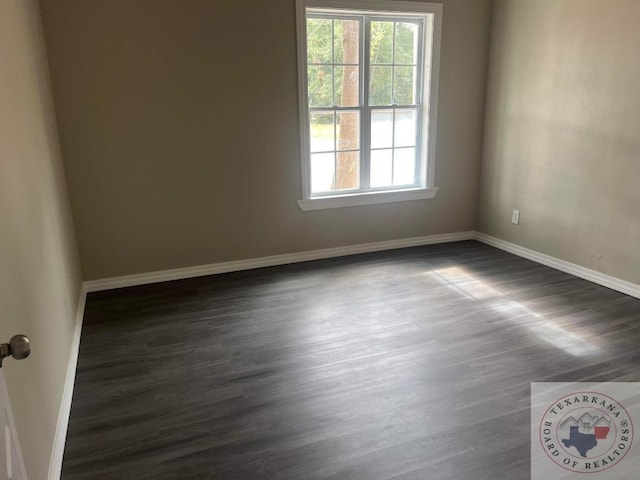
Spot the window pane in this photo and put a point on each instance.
(347, 87)
(320, 87)
(404, 85)
(380, 86)
(348, 130)
(346, 38)
(381, 128)
(322, 172)
(406, 43)
(348, 173)
(381, 168)
(405, 128)
(381, 42)
(321, 132)
(404, 166)
(318, 40)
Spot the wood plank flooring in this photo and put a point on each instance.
(410, 364)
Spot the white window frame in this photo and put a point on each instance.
(425, 187)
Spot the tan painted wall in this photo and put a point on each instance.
(562, 139)
(179, 127)
(39, 269)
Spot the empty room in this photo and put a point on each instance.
(319, 239)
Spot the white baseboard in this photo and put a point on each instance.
(248, 264)
(55, 465)
(603, 279)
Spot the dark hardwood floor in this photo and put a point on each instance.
(411, 364)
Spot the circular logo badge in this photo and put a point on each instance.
(586, 432)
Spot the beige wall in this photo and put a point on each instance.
(562, 142)
(179, 127)
(39, 270)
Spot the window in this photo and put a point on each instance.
(368, 77)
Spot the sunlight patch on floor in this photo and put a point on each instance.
(468, 285)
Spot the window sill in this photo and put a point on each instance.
(357, 199)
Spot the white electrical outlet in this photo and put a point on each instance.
(515, 218)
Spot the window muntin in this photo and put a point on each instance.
(367, 101)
